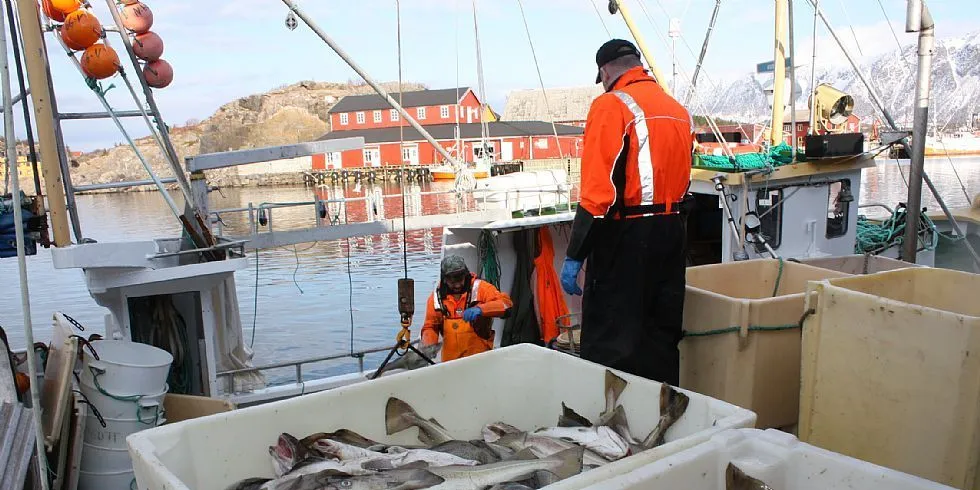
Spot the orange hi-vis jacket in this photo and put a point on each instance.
(653, 174)
(444, 316)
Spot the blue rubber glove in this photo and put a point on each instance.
(569, 276)
(472, 314)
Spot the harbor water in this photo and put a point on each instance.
(299, 302)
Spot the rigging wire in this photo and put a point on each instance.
(18, 65)
(601, 20)
(255, 300)
(350, 288)
(544, 93)
(401, 131)
(850, 25)
(901, 52)
(483, 87)
(813, 71)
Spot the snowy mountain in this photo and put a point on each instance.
(955, 86)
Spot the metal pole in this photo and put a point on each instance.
(927, 40)
(35, 57)
(813, 72)
(779, 74)
(891, 122)
(19, 97)
(792, 80)
(370, 81)
(11, 152)
(620, 5)
(704, 51)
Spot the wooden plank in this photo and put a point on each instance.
(186, 407)
(815, 168)
(62, 354)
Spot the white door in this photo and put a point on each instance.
(410, 155)
(372, 157)
(507, 151)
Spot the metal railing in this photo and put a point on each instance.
(297, 365)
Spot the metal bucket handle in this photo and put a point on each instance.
(142, 405)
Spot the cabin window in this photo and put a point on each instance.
(420, 113)
(839, 199)
(444, 112)
(344, 119)
(377, 116)
(360, 118)
(768, 206)
(395, 115)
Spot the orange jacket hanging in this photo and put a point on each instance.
(548, 295)
(636, 158)
(444, 317)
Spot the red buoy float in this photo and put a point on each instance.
(83, 28)
(158, 74)
(137, 17)
(100, 61)
(72, 45)
(148, 46)
(51, 12)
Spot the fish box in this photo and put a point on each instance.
(891, 372)
(742, 336)
(523, 385)
(858, 264)
(773, 457)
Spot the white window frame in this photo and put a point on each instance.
(395, 116)
(334, 159)
(377, 116)
(444, 112)
(406, 158)
(420, 113)
(344, 119)
(367, 153)
(360, 118)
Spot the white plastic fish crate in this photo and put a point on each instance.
(522, 385)
(773, 457)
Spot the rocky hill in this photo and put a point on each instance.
(289, 114)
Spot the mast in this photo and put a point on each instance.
(919, 20)
(35, 57)
(704, 51)
(779, 74)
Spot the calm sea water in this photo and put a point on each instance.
(301, 299)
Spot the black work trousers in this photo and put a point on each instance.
(633, 306)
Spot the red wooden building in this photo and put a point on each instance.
(452, 117)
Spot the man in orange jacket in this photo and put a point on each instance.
(636, 170)
(461, 310)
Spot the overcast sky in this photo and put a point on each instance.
(222, 49)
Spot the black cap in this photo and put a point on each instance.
(611, 50)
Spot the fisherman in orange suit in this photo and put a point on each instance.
(630, 223)
(461, 310)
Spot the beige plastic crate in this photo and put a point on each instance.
(858, 264)
(891, 372)
(743, 336)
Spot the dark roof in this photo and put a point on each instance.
(466, 131)
(417, 98)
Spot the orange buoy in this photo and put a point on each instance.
(158, 74)
(51, 12)
(129, 2)
(72, 45)
(66, 6)
(148, 46)
(137, 17)
(83, 28)
(100, 61)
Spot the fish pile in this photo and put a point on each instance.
(506, 458)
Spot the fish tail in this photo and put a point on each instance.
(571, 462)
(399, 416)
(614, 388)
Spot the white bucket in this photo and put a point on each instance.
(146, 408)
(126, 368)
(114, 434)
(120, 480)
(97, 459)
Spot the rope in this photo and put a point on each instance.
(489, 263)
(255, 300)
(401, 136)
(752, 328)
(125, 398)
(779, 278)
(544, 93)
(779, 155)
(873, 237)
